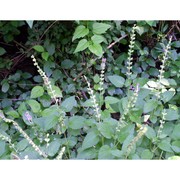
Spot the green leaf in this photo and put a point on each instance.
(111, 100)
(97, 39)
(37, 91)
(165, 146)
(176, 132)
(171, 115)
(69, 103)
(105, 153)
(88, 103)
(45, 55)
(21, 145)
(140, 30)
(2, 51)
(151, 23)
(167, 95)
(150, 133)
(150, 105)
(46, 123)
(146, 154)
(5, 87)
(57, 91)
(80, 31)
(67, 64)
(2, 149)
(117, 153)
(91, 139)
(96, 49)
(38, 48)
(100, 28)
(13, 113)
(82, 45)
(176, 146)
(106, 130)
(53, 147)
(35, 106)
(116, 80)
(76, 122)
(174, 158)
(87, 153)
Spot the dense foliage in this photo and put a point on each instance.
(89, 90)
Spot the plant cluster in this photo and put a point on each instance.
(110, 104)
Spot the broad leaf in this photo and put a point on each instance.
(146, 154)
(82, 45)
(91, 139)
(2, 51)
(37, 91)
(38, 48)
(97, 39)
(96, 49)
(53, 147)
(171, 115)
(176, 133)
(80, 31)
(116, 80)
(67, 64)
(100, 28)
(35, 106)
(165, 146)
(76, 122)
(69, 103)
(106, 130)
(111, 100)
(105, 153)
(5, 87)
(150, 105)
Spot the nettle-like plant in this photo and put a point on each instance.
(56, 131)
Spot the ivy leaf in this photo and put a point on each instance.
(82, 45)
(90, 140)
(80, 31)
(96, 49)
(76, 122)
(37, 91)
(100, 28)
(38, 48)
(116, 80)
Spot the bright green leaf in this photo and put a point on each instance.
(100, 28)
(38, 48)
(35, 106)
(80, 31)
(37, 91)
(13, 113)
(82, 45)
(97, 39)
(96, 49)
(45, 55)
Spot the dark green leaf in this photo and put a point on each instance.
(106, 130)
(69, 103)
(76, 122)
(116, 80)
(105, 153)
(5, 87)
(67, 64)
(150, 105)
(2, 51)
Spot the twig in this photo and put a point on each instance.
(112, 44)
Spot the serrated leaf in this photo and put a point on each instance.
(38, 48)
(35, 106)
(111, 100)
(37, 91)
(150, 105)
(69, 103)
(80, 31)
(96, 49)
(106, 129)
(100, 28)
(90, 140)
(97, 39)
(82, 45)
(116, 80)
(76, 122)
